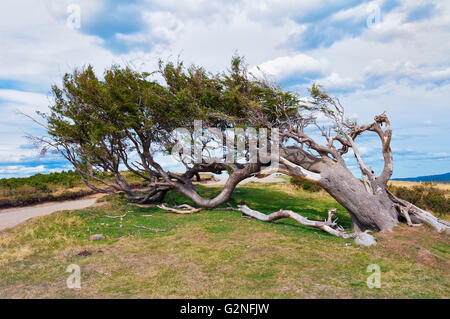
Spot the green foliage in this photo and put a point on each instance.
(426, 195)
(42, 181)
(39, 188)
(101, 120)
(300, 183)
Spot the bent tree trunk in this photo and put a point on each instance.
(368, 211)
(371, 208)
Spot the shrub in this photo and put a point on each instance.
(300, 183)
(425, 195)
(41, 181)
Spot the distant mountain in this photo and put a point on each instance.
(431, 178)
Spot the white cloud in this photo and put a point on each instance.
(335, 81)
(39, 47)
(24, 101)
(285, 66)
(358, 12)
(14, 169)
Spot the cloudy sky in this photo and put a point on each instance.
(374, 55)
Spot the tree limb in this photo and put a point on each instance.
(326, 226)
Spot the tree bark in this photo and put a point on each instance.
(330, 226)
(374, 211)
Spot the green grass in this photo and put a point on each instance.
(217, 253)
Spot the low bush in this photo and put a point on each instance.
(42, 181)
(424, 195)
(40, 188)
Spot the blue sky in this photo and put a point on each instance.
(399, 63)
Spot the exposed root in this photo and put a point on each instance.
(330, 226)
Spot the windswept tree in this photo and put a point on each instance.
(315, 152)
(127, 119)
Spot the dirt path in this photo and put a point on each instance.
(13, 216)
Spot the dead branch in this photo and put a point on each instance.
(179, 211)
(326, 226)
(148, 228)
(405, 212)
(331, 214)
(439, 224)
(229, 207)
(187, 209)
(185, 206)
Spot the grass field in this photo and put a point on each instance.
(217, 254)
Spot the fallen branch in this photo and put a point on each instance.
(405, 213)
(326, 225)
(152, 229)
(439, 224)
(186, 208)
(192, 210)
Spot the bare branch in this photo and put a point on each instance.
(297, 170)
(192, 210)
(325, 225)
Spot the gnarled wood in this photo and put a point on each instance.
(439, 224)
(180, 209)
(326, 226)
(192, 210)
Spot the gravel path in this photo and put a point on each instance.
(13, 216)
